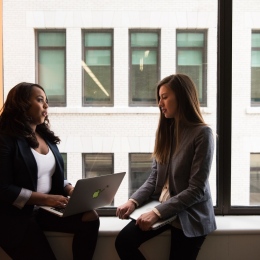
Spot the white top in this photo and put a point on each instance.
(46, 167)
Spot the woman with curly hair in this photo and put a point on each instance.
(32, 175)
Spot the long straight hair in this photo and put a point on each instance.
(188, 114)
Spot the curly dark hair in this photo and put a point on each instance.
(14, 120)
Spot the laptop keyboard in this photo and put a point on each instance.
(59, 209)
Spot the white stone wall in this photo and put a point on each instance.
(122, 129)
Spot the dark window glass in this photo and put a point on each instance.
(255, 69)
(139, 170)
(64, 157)
(255, 179)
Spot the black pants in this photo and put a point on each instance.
(35, 245)
(131, 237)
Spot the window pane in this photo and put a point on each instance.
(64, 157)
(54, 39)
(97, 164)
(144, 40)
(113, 57)
(144, 75)
(98, 69)
(139, 170)
(51, 66)
(98, 39)
(144, 68)
(245, 105)
(51, 72)
(190, 40)
(255, 69)
(255, 179)
(191, 60)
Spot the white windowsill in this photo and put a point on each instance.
(226, 225)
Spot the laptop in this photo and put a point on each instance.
(148, 207)
(90, 194)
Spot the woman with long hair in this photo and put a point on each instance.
(182, 159)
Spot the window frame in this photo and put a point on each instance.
(224, 116)
(204, 51)
(84, 49)
(130, 49)
(37, 76)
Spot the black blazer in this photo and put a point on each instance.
(18, 169)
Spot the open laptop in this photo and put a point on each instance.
(148, 207)
(90, 194)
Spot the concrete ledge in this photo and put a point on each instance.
(237, 237)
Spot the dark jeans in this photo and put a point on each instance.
(35, 245)
(131, 237)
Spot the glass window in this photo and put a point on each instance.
(64, 157)
(192, 59)
(255, 179)
(97, 164)
(144, 67)
(51, 64)
(255, 69)
(97, 65)
(139, 170)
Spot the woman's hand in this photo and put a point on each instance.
(125, 210)
(41, 199)
(146, 220)
(56, 201)
(69, 189)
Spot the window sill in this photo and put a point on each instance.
(110, 226)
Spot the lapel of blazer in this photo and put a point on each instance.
(56, 153)
(29, 160)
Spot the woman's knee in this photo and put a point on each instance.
(90, 216)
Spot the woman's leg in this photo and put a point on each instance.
(131, 237)
(34, 244)
(183, 247)
(85, 232)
